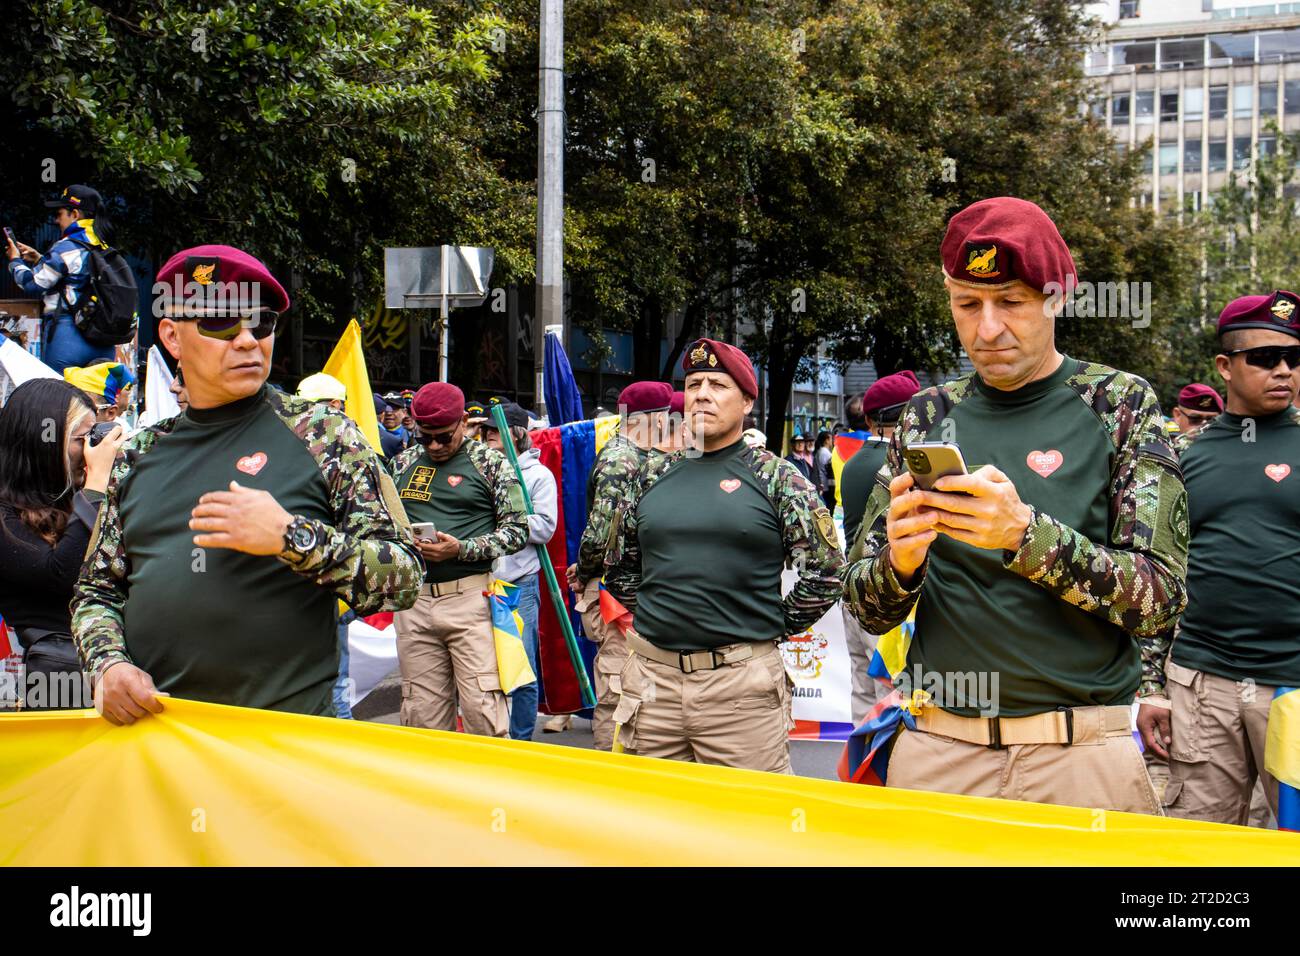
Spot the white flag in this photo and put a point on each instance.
(21, 365)
(159, 402)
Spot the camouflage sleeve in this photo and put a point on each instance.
(872, 591)
(811, 546)
(368, 557)
(623, 558)
(614, 479)
(100, 591)
(1136, 583)
(511, 531)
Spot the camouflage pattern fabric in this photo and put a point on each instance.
(613, 480)
(368, 558)
(808, 536)
(1136, 580)
(511, 532)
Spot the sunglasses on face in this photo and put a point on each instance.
(227, 327)
(1267, 356)
(433, 438)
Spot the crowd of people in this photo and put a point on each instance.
(1089, 555)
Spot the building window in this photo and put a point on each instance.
(1267, 146)
(1146, 106)
(1141, 55)
(1240, 152)
(1283, 45)
(1193, 103)
(1184, 53)
(1192, 156)
(1119, 107)
(1218, 155)
(1168, 106)
(1098, 60)
(1168, 158)
(1237, 47)
(1192, 201)
(1147, 162)
(1218, 102)
(1243, 100)
(1291, 96)
(1128, 9)
(1267, 99)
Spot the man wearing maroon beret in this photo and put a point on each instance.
(700, 544)
(881, 405)
(1197, 405)
(471, 496)
(230, 532)
(1039, 577)
(1237, 641)
(643, 412)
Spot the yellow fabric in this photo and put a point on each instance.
(513, 669)
(347, 363)
(205, 784)
(1282, 745)
(606, 428)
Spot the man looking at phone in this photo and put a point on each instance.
(644, 409)
(697, 557)
(880, 406)
(230, 532)
(1237, 641)
(471, 497)
(1037, 576)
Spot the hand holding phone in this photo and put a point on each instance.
(424, 531)
(928, 461)
(11, 244)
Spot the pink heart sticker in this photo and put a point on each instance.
(252, 464)
(454, 480)
(729, 484)
(1277, 472)
(1044, 462)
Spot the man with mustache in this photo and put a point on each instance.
(230, 532)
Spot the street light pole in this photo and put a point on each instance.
(549, 309)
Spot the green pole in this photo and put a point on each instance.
(558, 602)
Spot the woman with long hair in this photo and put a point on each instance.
(51, 482)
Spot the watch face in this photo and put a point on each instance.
(304, 538)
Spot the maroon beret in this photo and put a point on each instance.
(438, 404)
(646, 397)
(216, 280)
(706, 355)
(994, 242)
(1200, 398)
(678, 404)
(890, 390)
(1277, 311)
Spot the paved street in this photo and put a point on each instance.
(810, 758)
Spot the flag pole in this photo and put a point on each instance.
(558, 602)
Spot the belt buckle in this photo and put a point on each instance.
(1069, 725)
(684, 662)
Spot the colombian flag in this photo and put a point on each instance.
(508, 635)
(347, 363)
(866, 753)
(845, 446)
(1282, 755)
(569, 451)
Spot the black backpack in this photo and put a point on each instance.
(106, 312)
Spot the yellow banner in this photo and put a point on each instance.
(205, 784)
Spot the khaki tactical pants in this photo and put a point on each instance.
(445, 650)
(611, 656)
(737, 715)
(862, 648)
(1218, 727)
(1105, 773)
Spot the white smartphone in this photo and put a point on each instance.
(424, 531)
(928, 461)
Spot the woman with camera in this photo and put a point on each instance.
(53, 475)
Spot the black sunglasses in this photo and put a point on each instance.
(1267, 356)
(433, 438)
(227, 327)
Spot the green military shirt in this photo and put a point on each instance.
(1243, 568)
(856, 480)
(474, 496)
(1101, 563)
(219, 625)
(701, 543)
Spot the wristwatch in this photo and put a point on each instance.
(301, 537)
